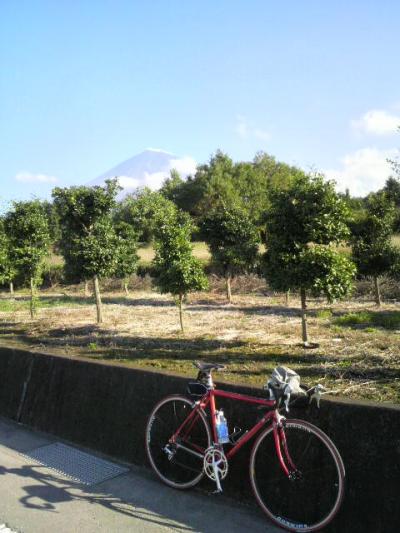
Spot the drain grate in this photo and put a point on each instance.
(79, 466)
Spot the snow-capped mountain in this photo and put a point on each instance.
(147, 169)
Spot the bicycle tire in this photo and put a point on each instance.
(304, 504)
(177, 467)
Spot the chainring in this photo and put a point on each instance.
(215, 457)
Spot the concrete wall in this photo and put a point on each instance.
(105, 407)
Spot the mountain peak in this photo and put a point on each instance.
(147, 169)
(160, 150)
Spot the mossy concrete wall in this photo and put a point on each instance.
(105, 407)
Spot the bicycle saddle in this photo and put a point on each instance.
(206, 367)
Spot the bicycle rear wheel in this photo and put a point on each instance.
(311, 499)
(177, 461)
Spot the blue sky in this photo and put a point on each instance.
(87, 84)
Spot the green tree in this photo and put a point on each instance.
(28, 234)
(127, 257)
(373, 252)
(7, 270)
(143, 210)
(89, 240)
(212, 183)
(392, 191)
(177, 271)
(216, 181)
(304, 225)
(53, 221)
(268, 174)
(220, 181)
(172, 186)
(233, 241)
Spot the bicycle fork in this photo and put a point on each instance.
(281, 443)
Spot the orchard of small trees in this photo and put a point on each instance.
(260, 216)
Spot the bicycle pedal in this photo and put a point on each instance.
(215, 492)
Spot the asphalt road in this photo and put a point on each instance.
(37, 499)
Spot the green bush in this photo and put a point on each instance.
(324, 313)
(371, 319)
(52, 275)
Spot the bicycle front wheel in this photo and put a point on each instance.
(310, 497)
(176, 441)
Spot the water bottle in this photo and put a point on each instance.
(222, 428)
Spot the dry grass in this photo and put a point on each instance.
(252, 336)
(146, 253)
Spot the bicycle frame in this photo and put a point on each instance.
(208, 400)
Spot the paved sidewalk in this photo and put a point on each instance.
(5, 529)
(35, 498)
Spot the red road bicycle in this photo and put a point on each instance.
(296, 472)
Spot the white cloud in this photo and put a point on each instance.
(185, 165)
(154, 180)
(128, 183)
(28, 177)
(363, 171)
(248, 131)
(377, 122)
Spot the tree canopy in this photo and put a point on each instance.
(304, 224)
(144, 210)
(220, 182)
(373, 251)
(89, 241)
(7, 272)
(126, 252)
(233, 241)
(27, 230)
(177, 271)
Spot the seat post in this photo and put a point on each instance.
(205, 377)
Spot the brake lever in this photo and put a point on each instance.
(287, 393)
(286, 402)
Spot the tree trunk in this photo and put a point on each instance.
(228, 288)
(11, 289)
(287, 297)
(98, 300)
(304, 317)
(126, 287)
(87, 293)
(32, 303)
(180, 311)
(378, 300)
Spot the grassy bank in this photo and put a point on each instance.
(358, 353)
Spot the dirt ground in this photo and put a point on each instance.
(357, 352)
